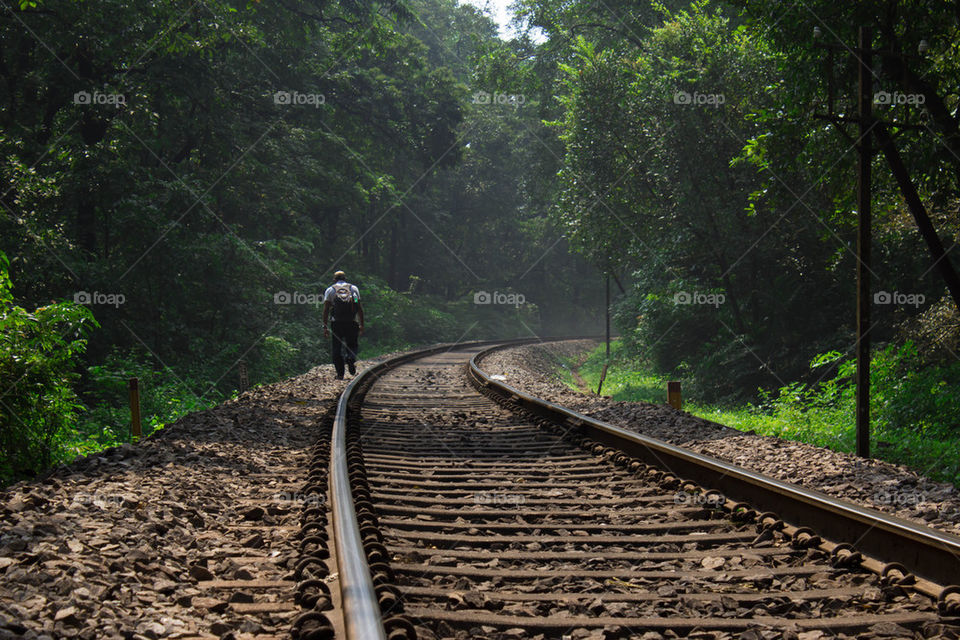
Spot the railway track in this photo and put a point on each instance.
(459, 515)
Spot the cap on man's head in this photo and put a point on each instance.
(339, 275)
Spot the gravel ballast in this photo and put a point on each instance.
(120, 543)
(117, 545)
(879, 485)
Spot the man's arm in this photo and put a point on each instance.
(360, 314)
(326, 315)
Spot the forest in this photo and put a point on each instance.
(180, 181)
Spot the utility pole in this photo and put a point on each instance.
(865, 157)
(863, 54)
(870, 126)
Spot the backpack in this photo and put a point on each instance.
(344, 304)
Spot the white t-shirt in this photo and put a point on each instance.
(330, 294)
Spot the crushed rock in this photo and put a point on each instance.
(886, 487)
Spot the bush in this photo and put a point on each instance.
(911, 396)
(39, 353)
(396, 320)
(693, 343)
(164, 397)
(914, 413)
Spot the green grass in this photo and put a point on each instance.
(625, 384)
(826, 426)
(622, 383)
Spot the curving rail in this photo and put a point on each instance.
(359, 600)
(926, 559)
(928, 556)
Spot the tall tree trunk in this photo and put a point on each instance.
(392, 266)
(86, 222)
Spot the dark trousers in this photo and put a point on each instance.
(343, 344)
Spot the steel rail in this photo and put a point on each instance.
(928, 553)
(361, 610)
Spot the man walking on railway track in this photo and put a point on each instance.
(343, 299)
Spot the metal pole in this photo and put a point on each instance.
(864, 106)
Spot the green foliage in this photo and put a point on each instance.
(164, 397)
(172, 165)
(743, 194)
(671, 206)
(897, 28)
(913, 413)
(201, 194)
(39, 351)
(624, 381)
(397, 319)
(906, 395)
(914, 396)
(276, 355)
(913, 417)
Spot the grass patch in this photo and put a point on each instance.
(822, 417)
(622, 382)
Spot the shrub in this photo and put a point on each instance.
(164, 397)
(39, 353)
(914, 413)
